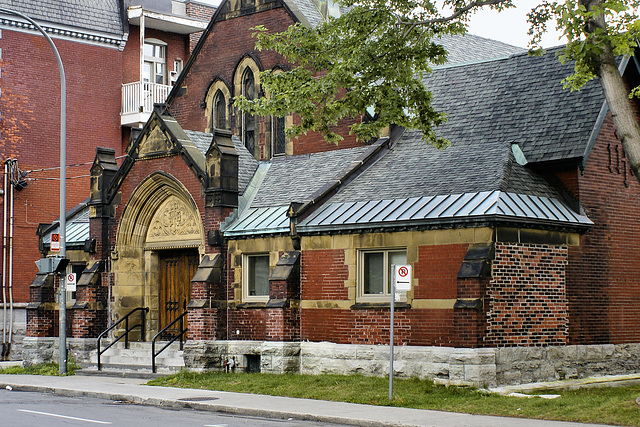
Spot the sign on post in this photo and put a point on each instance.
(71, 282)
(402, 277)
(55, 241)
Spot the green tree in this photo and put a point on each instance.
(373, 57)
(598, 31)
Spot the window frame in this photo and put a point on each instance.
(154, 60)
(275, 136)
(246, 277)
(215, 118)
(248, 71)
(385, 295)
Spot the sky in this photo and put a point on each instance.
(509, 26)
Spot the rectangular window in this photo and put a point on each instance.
(279, 136)
(375, 272)
(256, 277)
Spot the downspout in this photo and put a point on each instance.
(11, 267)
(142, 24)
(4, 263)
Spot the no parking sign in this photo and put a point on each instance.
(71, 282)
(402, 277)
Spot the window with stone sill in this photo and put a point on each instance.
(374, 273)
(255, 275)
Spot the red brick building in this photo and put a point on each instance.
(277, 253)
(113, 77)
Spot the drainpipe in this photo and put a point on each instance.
(11, 266)
(142, 24)
(4, 263)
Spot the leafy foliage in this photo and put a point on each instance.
(371, 58)
(590, 27)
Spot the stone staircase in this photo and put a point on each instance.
(134, 361)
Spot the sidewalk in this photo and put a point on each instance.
(134, 390)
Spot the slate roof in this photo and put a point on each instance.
(306, 11)
(491, 104)
(102, 16)
(520, 99)
(247, 164)
(412, 168)
(297, 178)
(470, 48)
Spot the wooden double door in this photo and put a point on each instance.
(177, 267)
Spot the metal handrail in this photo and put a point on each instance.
(125, 335)
(180, 334)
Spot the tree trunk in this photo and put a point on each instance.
(616, 94)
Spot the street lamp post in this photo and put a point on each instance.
(63, 187)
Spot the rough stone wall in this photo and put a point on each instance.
(482, 367)
(603, 275)
(526, 296)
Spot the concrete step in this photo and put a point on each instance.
(124, 371)
(137, 358)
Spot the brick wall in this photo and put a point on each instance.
(527, 302)
(323, 275)
(198, 11)
(603, 276)
(220, 57)
(30, 129)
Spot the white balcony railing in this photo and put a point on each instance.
(139, 97)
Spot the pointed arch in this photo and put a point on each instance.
(218, 95)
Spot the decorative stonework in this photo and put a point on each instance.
(173, 221)
(155, 143)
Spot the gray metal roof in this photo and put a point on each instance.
(266, 220)
(415, 211)
(494, 205)
(77, 229)
(103, 16)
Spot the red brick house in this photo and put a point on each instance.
(277, 252)
(113, 77)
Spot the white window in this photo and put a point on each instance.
(155, 61)
(374, 280)
(255, 272)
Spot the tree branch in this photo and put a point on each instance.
(457, 13)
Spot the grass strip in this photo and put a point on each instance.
(605, 405)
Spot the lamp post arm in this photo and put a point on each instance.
(63, 185)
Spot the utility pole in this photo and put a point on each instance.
(62, 300)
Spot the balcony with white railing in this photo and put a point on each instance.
(138, 99)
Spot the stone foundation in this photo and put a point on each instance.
(45, 350)
(483, 367)
(19, 329)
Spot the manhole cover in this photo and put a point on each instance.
(197, 399)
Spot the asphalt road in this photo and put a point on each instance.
(43, 409)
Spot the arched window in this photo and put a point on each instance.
(249, 120)
(219, 111)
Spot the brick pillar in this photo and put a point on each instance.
(283, 314)
(207, 308)
(41, 308)
(469, 309)
(89, 311)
